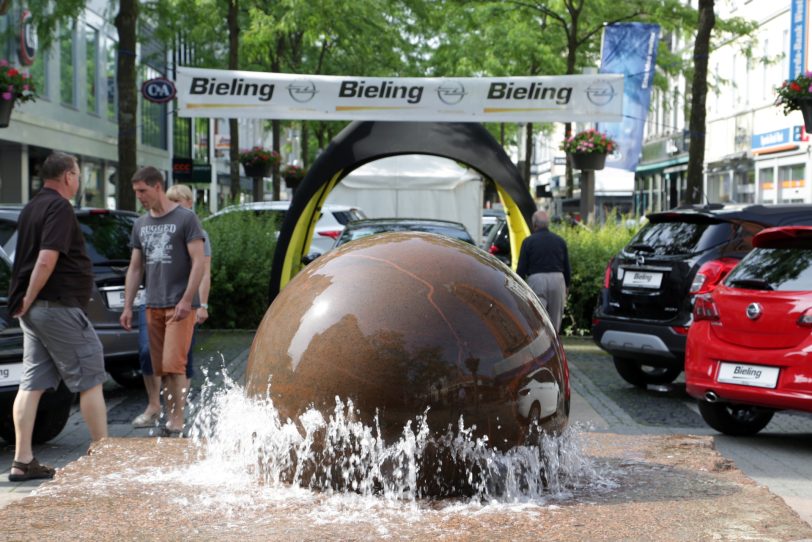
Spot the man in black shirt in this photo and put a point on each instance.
(544, 263)
(51, 282)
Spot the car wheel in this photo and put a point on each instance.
(735, 420)
(52, 415)
(132, 379)
(640, 375)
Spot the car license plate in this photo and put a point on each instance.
(642, 279)
(115, 298)
(10, 374)
(748, 375)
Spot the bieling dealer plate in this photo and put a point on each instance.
(642, 279)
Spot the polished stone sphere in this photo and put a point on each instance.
(398, 322)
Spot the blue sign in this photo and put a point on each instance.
(778, 137)
(630, 49)
(797, 38)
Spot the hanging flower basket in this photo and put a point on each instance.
(5, 112)
(15, 87)
(796, 95)
(588, 161)
(293, 175)
(258, 162)
(258, 170)
(588, 149)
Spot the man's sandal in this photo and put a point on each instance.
(31, 471)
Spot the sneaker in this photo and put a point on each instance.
(146, 420)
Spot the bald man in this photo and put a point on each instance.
(545, 265)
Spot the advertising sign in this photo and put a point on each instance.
(630, 49)
(224, 93)
(159, 90)
(798, 38)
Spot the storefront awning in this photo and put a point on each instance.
(643, 168)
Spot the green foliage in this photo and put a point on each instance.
(242, 247)
(590, 251)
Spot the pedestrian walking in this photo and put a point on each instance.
(182, 195)
(544, 264)
(167, 248)
(51, 283)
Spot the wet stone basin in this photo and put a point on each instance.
(666, 488)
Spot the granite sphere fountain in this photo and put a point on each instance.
(408, 325)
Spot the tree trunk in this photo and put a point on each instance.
(699, 91)
(233, 125)
(125, 22)
(305, 144)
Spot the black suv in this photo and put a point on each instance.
(107, 237)
(645, 305)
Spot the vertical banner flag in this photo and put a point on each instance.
(630, 49)
(798, 38)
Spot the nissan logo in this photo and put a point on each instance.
(753, 311)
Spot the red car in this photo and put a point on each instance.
(749, 350)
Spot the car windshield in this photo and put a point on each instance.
(345, 217)
(784, 269)
(353, 233)
(107, 236)
(673, 238)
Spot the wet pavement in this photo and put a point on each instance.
(673, 487)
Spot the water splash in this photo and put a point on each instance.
(245, 440)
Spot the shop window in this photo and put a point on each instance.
(766, 181)
(92, 185)
(791, 180)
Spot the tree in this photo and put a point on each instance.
(233, 125)
(126, 22)
(699, 92)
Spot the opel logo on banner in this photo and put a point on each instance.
(302, 91)
(451, 92)
(158, 90)
(600, 92)
(753, 311)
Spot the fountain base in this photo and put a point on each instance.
(668, 488)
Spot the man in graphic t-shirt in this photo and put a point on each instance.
(167, 246)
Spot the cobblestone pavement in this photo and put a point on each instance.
(778, 457)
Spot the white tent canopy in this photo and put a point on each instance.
(415, 186)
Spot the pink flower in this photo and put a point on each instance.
(3, 62)
(7, 96)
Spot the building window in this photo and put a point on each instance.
(110, 79)
(92, 63)
(39, 74)
(182, 137)
(67, 62)
(153, 116)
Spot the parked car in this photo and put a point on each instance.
(645, 307)
(497, 243)
(107, 238)
(371, 226)
(537, 395)
(54, 406)
(748, 347)
(328, 228)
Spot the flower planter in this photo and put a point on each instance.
(588, 160)
(5, 112)
(257, 170)
(293, 182)
(805, 105)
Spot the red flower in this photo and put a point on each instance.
(12, 72)
(795, 86)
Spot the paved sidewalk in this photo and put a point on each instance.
(601, 402)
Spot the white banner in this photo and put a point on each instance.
(566, 98)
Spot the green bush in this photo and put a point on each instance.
(243, 245)
(590, 250)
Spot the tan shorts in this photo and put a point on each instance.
(169, 342)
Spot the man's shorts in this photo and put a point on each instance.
(60, 343)
(144, 359)
(169, 342)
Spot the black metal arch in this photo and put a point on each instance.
(365, 141)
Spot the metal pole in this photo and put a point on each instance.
(213, 185)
